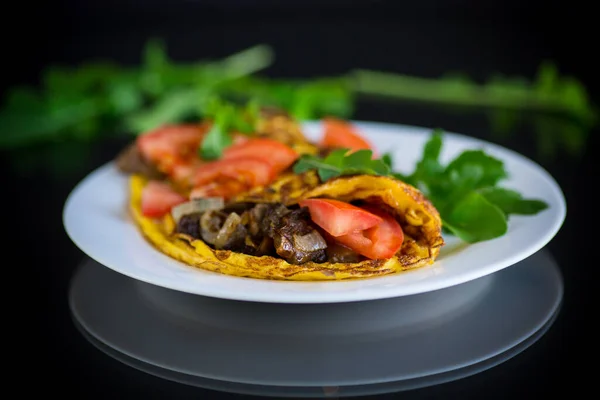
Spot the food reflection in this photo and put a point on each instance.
(326, 350)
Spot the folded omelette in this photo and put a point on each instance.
(420, 223)
(267, 232)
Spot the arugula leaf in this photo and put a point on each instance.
(473, 218)
(428, 170)
(339, 162)
(457, 184)
(465, 191)
(388, 160)
(512, 202)
(492, 170)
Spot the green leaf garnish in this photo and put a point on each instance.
(218, 138)
(227, 117)
(473, 218)
(171, 108)
(466, 192)
(492, 169)
(512, 202)
(340, 162)
(388, 160)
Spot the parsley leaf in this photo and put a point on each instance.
(339, 162)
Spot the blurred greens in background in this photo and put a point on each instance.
(98, 100)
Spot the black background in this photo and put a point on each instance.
(310, 38)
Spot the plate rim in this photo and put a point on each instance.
(337, 297)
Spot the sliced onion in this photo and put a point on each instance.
(197, 206)
(210, 224)
(310, 242)
(227, 230)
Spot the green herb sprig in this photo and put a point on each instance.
(96, 99)
(227, 117)
(466, 192)
(547, 92)
(342, 162)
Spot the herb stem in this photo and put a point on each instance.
(462, 92)
(247, 62)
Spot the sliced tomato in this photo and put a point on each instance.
(278, 154)
(379, 242)
(225, 188)
(252, 171)
(184, 172)
(171, 146)
(338, 133)
(238, 138)
(338, 217)
(158, 198)
(171, 140)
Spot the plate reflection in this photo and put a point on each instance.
(312, 350)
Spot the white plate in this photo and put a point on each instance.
(95, 218)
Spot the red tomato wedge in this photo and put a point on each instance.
(238, 138)
(251, 171)
(339, 218)
(225, 189)
(171, 143)
(158, 198)
(379, 242)
(338, 133)
(184, 172)
(276, 153)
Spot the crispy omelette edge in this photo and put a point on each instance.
(196, 253)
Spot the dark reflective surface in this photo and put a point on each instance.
(478, 40)
(288, 350)
(405, 388)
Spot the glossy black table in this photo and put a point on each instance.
(49, 343)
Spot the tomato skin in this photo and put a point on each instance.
(184, 172)
(253, 171)
(357, 242)
(228, 177)
(247, 163)
(339, 218)
(158, 198)
(276, 153)
(171, 145)
(379, 242)
(338, 133)
(224, 188)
